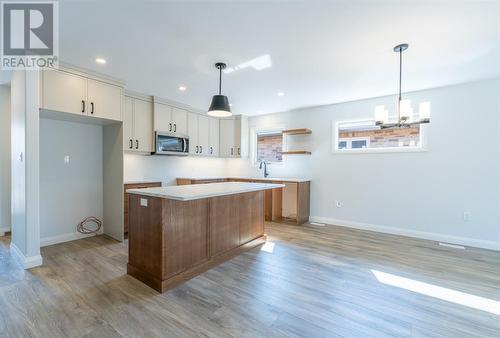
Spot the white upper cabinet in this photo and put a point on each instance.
(192, 127)
(162, 118)
(137, 125)
(203, 132)
(128, 123)
(104, 99)
(179, 121)
(234, 137)
(65, 92)
(75, 93)
(169, 119)
(198, 132)
(227, 138)
(143, 125)
(213, 137)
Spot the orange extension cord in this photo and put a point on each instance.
(81, 227)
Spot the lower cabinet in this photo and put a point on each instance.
(224, 233)
(251, 205)
(171, 241)
(126, 199)
(235, 220)
(185, 237)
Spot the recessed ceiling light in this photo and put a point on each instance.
(182, 88)
(281, 94)
(100, 61)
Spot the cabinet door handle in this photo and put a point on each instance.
(175, 127)
(83, 106)
(136, 144)
(232, 152)
(92, 108)
(201, 149)
(170, 127)
(131, 144)
(196, 149)
(239, 152)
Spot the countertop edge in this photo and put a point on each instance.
(265, 179)
(141, 192)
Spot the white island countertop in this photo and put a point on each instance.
(199, 191)
(279, 179)
(271, 179)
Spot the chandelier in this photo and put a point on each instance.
(405, 117)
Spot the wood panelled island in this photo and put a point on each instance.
(178, 232)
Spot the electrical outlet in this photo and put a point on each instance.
(338, 203)
(66, 159)
(467, 216)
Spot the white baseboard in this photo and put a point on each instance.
(471, 242)
(26, 262)
(72, 236)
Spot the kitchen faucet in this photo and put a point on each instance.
(265, 168)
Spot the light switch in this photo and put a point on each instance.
(144, 202)
(66, 159)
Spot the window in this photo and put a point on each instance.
(364, 135)
(269, 147)
(353, 143)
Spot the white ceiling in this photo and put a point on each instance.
(321, 52)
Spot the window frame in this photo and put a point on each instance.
(255, 131)
(335, 141)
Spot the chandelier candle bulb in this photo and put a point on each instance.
(424, 111)
(410, 115)
(379, 113)
(405, 108)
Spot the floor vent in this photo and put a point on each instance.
(454, 246)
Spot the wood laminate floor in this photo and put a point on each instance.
(316, 282)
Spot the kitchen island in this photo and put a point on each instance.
(178, 232)
(289, 205)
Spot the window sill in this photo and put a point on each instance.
(380, 151)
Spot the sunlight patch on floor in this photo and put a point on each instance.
(449, 295)
(268, 247)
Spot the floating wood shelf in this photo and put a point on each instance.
(301, 131)
(296, 152)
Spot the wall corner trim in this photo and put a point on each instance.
(432, 236)
(26, 262)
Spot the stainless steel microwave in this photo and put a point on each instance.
(171, 144)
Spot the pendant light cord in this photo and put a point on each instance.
(400, 80)
(220, 80)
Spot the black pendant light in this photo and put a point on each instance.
(220, 104)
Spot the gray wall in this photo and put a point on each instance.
(70, 191)
(421, 194)
(5, 154)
